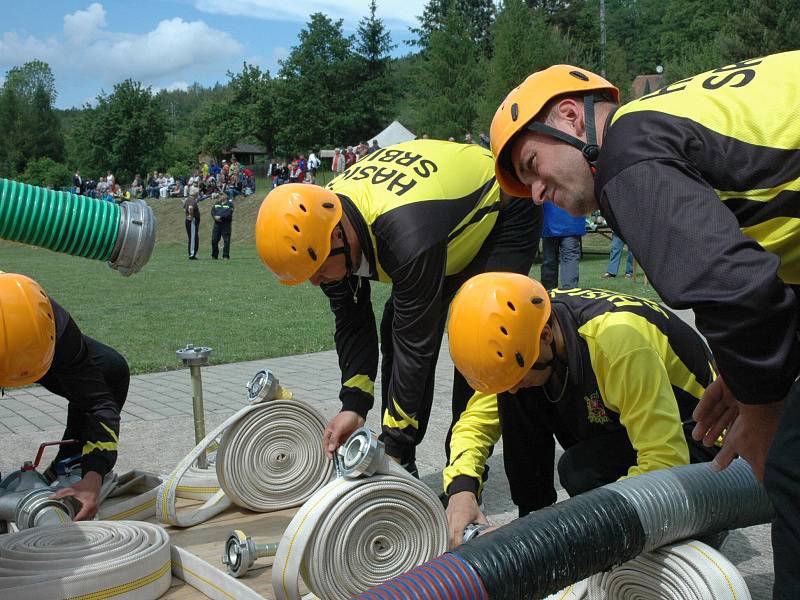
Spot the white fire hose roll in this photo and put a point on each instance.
(354, 534)
(89, 560)
(269, 458)
(688, 570)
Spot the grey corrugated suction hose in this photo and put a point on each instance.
(123, 235)
(569, 541)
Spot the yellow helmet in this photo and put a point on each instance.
(27, 331)
(526, 100)
(495, 324)
(293, 230)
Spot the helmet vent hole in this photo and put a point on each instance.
(536, 300)
(294, 249)
(296, 228)
(579, 75)
(312, 254)
(303, 208)
(514, 112)
(520, 360)
(511, 306)
(504, 330)
(327, 205)
(500, 354)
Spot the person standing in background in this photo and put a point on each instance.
(561, 247)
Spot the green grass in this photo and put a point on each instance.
(236, 307)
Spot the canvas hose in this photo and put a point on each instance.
(269, 458)
(90, 560)
(688, 570)
(373, 522)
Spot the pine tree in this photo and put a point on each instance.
(375, 99)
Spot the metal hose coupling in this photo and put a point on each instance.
(362, 455)
(241, 552)
(136, 238)
(34, 508)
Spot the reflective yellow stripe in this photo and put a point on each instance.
(132, 511)
(105, 446)
(404, 420)
(125, 587)
(110, 432)
(207, 582)
(362, 382)
(197, 489)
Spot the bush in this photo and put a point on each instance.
(46, 172)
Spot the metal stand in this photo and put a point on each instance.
(194, 358)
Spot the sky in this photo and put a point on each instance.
(170, 44)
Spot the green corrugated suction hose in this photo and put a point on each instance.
(58, 221)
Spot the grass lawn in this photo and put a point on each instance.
(235, 306)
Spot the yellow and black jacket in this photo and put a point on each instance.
(422, 210)
(94, 408)
(631, 364)
(702, 180)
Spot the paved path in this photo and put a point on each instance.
(157, 430)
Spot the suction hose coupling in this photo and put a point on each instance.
(136, 238)
(33, 508)
(123, 235)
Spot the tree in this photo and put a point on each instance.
(524, 42)
(761, 27)
(31, 128)
(376, 88)
(477, 18)
(448, 78)
(317, 89)
(252, 107)
(125, 133)
(46, 172)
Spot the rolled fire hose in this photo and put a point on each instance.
(689, 570)
(123, 235)
(88, 560)
(269, 458)
(371, 523)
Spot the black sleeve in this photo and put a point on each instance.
(695, 255)
(416, 337)
(75, 376)
(356, 341)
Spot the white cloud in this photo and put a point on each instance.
(391, 11)
(88, 50)
(82, 24)
(177, 85)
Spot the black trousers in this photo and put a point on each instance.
(222, 229)
(94, 379)
(511, 247)
(782, 482)
(193, 233)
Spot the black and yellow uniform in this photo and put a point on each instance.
(621, 405)
(428, 215)
(702, 180)
(222, 213)
(94, 379)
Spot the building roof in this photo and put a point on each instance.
(246, 149)
(644, 84)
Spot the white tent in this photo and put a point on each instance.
(393, 134)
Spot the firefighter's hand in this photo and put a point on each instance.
(750, 437)
(86, 491)
(339, 429)
(715, 412)
(462, 509)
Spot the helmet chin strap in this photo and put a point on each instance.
(589, 148)
(343, 249)
(541, 366)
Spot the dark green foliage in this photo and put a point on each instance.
(477, 18)
(46, 172)
(124, 134)
(31, 128)
(448, 80)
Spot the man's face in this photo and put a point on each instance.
(333, 268)
(554, 172)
